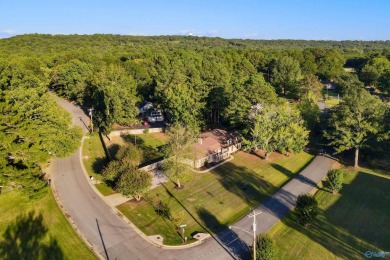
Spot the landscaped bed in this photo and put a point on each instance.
(213, 200)
(350, 223)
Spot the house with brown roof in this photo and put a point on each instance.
(215, 146)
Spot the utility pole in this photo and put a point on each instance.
(254, 214)
(90, 110)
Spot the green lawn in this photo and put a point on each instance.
(349, 224)
(213, 200)
(37, 229)
(332, 102)
(94, 160)
(150, 144)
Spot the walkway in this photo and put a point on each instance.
(113, 238)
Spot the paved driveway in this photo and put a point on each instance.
(112, 238)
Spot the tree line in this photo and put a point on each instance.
(200, 82)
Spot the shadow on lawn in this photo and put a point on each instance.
(227, 237)
(244, 183)
(24, 238)
(357, 222)
(98, 164)
(281, 169)
(205, 216)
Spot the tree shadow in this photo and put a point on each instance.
(244, 183)
(205, 216)
(281, 169)
(113, 149)
(133, 139)
(227, 237)
(24, 239)
(357, 222)
(99, 164)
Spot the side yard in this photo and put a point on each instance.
(94, 158)
(349, 224)
(213, 200)
(37, 229)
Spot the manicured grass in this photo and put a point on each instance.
(94, 160)
(151, 144)
(213, 200)
(37, 229)
(349, 224)
(332, 102)
(104, 189)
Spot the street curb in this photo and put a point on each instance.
(72, 223)
(123, 217)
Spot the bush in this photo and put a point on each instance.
(335, 180)
(265, 248)
(306, 209)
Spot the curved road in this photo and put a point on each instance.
(112, 238)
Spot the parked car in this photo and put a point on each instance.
(155, 116)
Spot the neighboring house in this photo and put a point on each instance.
(328, 84)
(145, 107)
(215, 146)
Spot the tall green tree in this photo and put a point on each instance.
(330, 64)
(286, 74)
(134, 182)
(335, 179)
(374, 69)
(179, 155)
(356, 119)
(311, 83)
(180, 100)
(309, 110)
(276, 128)
(70, 80)
(114, 97)
(33, 129)
(242, 97)
(306, 209)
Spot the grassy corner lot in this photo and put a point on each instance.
(37, 229)
(94, 160)
(213, 200)
(350, 223)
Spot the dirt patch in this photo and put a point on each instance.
(179, 188)
(133, 202)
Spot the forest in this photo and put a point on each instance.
(200, 82)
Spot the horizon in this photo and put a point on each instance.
(256, 20)
(194, 36)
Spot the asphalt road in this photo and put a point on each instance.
(114, 239)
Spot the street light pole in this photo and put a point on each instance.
(90, 110)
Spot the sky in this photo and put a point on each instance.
(271, 19)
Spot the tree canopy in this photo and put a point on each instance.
(356, 119)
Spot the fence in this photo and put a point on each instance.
(136, 131)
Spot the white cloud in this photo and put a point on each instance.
(9, 31)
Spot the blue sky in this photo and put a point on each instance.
(271, 19)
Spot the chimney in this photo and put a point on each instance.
(200, 140)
